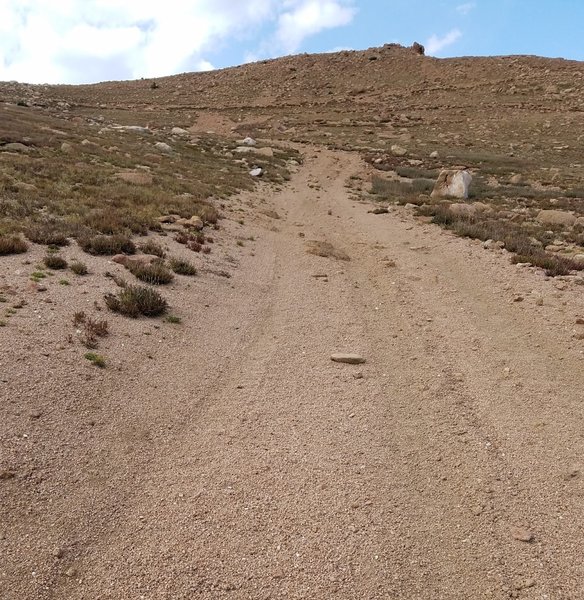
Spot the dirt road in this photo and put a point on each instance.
(242, 463)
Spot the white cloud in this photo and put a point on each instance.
(436, 44)
(70, 41)
(308, 17)
(465, 9)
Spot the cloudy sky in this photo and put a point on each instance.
(78, 41)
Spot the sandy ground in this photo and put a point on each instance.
(230, 458)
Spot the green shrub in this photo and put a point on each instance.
(12, 244)
(108, 245)
(54, 261)
(135, 300)
(182, 267)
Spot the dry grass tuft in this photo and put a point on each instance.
(48, 234)
(326, 250)
(182, 267)
(12, 244)
(79, 268)
(110, 222)
(55, 262)
(156, 273)
(153, 248)
(108, 245)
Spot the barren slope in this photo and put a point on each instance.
(242, 463)
(226, 456)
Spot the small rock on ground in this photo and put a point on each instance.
(349, 359)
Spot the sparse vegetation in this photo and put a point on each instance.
(96, 359)
(401, 192)
(108, 245)
(79, 268)
(112, 222)
(12, 244)
(156, 273)
(525, 247)
(173, 319)
(182, 267)
(55, 262)
(92, 329)
(37, 275)
(135, 300)
(47, 234)
(151, 247)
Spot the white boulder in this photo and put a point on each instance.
(452, 183)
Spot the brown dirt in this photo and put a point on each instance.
(240, 462)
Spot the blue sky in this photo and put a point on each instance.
(78, 41)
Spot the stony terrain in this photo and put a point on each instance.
(219, 452)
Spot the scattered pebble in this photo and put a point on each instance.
(522, 535)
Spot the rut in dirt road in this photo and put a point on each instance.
(246, 464)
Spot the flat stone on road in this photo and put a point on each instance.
(350, 359)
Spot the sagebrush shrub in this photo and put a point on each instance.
(12, 244)
(135, 300)
(108, 245)
(54, 261)
(182, 267)
(156, 273)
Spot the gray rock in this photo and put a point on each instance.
(22, 186)
(349, 359)
(257, 172)
(493, 245)
(269, 152)
(517, 179)
(15, 147)
(137, 260)
(133, 128)
(249, 142)
(397, 150)
(522, 535)
(556, 217)
(163, 147)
